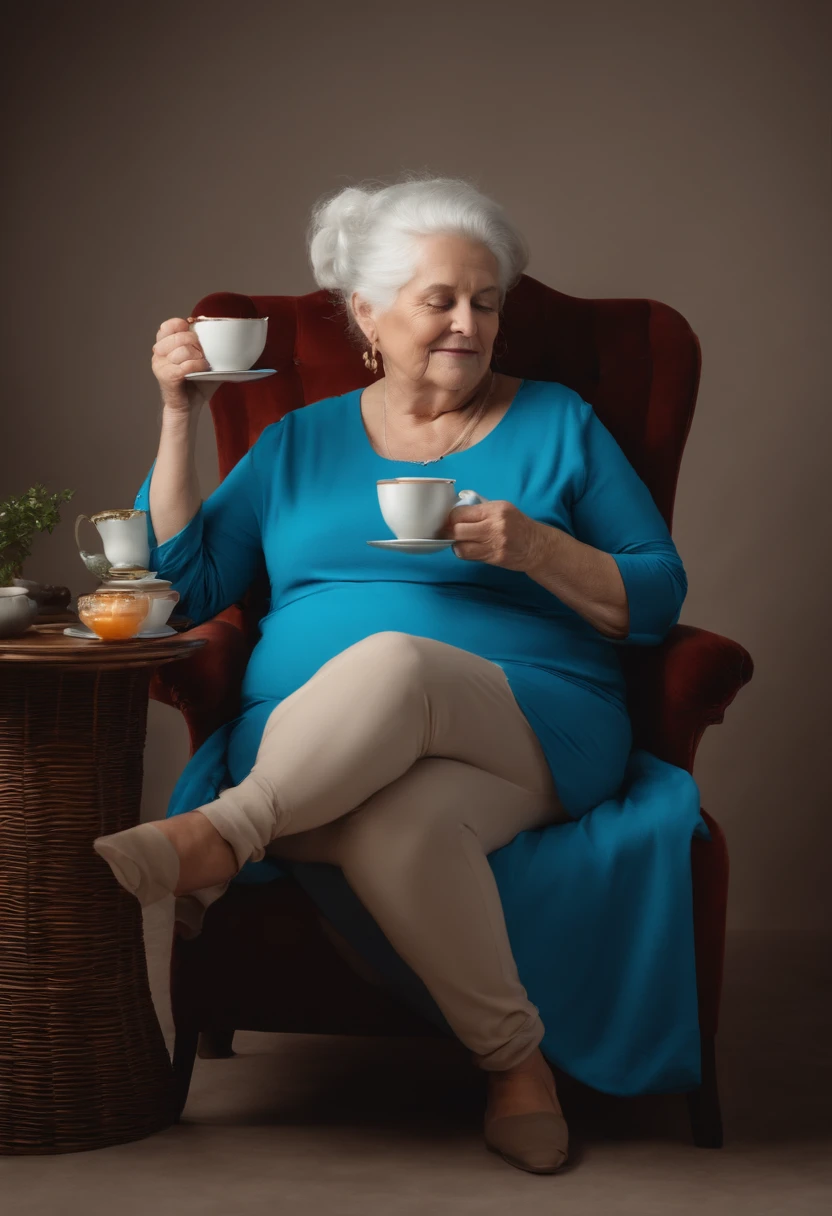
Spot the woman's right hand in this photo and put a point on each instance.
(177, 352)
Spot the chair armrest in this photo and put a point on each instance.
(205, 687)
(679, 688)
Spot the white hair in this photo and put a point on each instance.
(365, 238)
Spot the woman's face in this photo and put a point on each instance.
(441, 327)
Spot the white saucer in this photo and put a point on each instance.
(119, 584)
(81, 631)
(233, 377)
(412, 546)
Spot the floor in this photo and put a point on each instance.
(361, 1127)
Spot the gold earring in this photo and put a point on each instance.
(370, 361)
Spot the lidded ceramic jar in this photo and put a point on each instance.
(17, 611)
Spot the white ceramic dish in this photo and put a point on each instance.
(232, 377)
(81, 631)
(151, 582)
(412, 546)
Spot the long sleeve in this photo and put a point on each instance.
(615, 512)
(213, 560)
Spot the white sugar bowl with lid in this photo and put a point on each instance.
(163, 599)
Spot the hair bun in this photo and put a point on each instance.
(334, 226)
(364, 240)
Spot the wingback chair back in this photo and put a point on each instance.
(636, 361)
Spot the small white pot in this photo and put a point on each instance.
(17, 611)
(162, 604)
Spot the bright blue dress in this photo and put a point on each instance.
(598, 910)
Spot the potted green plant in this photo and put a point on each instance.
(21, 518)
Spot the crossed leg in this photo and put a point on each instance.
(415, 854)
(361, 722)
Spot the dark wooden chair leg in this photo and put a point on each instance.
(184, 1055)
(216, 1044)
(703, 1103)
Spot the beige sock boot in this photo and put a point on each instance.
(143, 860)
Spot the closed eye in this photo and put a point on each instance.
(443, 307)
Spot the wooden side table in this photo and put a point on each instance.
(83, 1063)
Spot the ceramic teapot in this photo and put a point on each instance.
(124, 536)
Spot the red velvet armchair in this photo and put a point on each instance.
(637, 362)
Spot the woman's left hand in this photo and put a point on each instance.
(495, 532)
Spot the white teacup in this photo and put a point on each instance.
(415, 508)
(231, 344)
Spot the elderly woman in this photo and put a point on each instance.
(404, 716)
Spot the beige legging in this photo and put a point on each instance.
(406, 761)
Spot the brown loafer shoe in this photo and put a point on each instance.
(537, 1143)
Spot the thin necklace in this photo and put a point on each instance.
(467, 430)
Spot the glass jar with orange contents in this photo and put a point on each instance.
(113, 614)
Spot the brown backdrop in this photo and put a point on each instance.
(673, 150)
